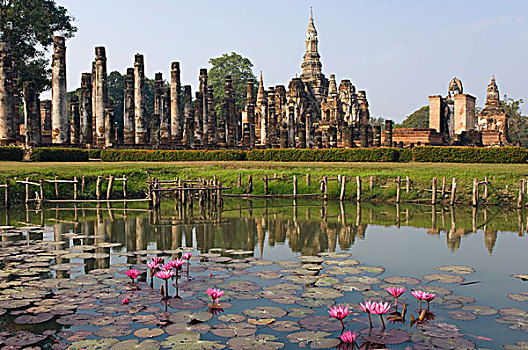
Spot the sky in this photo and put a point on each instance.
(399, 51)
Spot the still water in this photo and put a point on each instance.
(281, 266)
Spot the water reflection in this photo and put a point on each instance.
(306, 228)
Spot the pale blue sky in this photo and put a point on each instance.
(398, 51)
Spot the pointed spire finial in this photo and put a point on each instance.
(260, 78)
(311, 14)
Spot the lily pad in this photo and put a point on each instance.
(462, 315)
(320, 323)
(149, 333)
(230, 330)
(462, 270)
(480, 310)
(523, 296)
(383, 336)
(189, 341)
(34, 319)
(24, 338)
(186, 304)
(132, 344)
(284, 326)
(231, 318)
(443, 278)
(265, 312)
(94, 344)
(401, 280)
(261, 341)
(523, 277)
(326, 281)
(316, 340)
(321, 293)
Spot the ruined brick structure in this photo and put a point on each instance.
(310, 111)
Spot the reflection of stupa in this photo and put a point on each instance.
(490, 237)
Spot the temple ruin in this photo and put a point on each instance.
(311, 111)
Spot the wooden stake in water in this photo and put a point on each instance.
(520, 199)
(308, 180)
(371, 184)
(250, 185)
(294, 186)
(265, 184)
(358, 191)
(110, 186)
(398, 182)
(75, 188)
(325, 188)
(433, 198)
(343, 188)
(474, 202)
(453, 191)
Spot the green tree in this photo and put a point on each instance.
(29, 26)
(517, 123)
(418, 119)
(240, 70)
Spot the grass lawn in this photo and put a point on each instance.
(503, 178)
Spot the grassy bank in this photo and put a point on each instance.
(504, 178)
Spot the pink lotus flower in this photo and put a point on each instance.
(125, 301)
(133, 274)
(369, 307)
(339, 312)
(421, 295)
(381, 309)
(396, 292)
(176, 263)
(153, 267)
(157, 260)
(214, 294)
(165, 275)
(187, 256)
(348, 337)
(166, 267)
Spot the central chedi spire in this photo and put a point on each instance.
(311, 67)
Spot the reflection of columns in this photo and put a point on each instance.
(398, 215)
(140, 235)
(358, 214)
(59, 230)
(521, 222)
(474, 217)
(343, 216)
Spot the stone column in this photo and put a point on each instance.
(188, 130)
(45, 121)
(7, 103)
(100, 96)
(155, 131)
(175, 103)
(204, 125)
(364, 136)
(308, 126)
(31, 115)
(377, 135)
(302, 136)
(250, 110)
(388, 134)
(139, 101)
(86, 137)
(272, 125)
(75, 120)
(198, 118)
(59, 96)
(283, 135)
(228, 112)
(212, 129)
(109, 128)
(129, 109)
(165, 122)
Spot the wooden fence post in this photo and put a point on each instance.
(56, 187)
(486, 188)
(27, 190)
(110, 186)
(41, 190)
(343, 188)
(83, 180)
(98, 186)
(294, 186)
(433, 198)
(250, 184)
(308, 179)
(125, 186)
(325, 188)
(239, 183)
(408, 184)
(443, 187)
(7, 194)
(265, 184)
(474, 202)
(398, 181)
(453, 191)
(371, 184)
(358, 184)
(75, 188)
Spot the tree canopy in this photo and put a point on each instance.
(517, 123)
(417, 119)
(29, 26)
(240, 70)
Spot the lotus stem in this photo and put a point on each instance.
(382, 322)
(420, 304)
(188, 264)
(370, 319)
(167, 289)
(342, 325)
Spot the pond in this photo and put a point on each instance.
(281, 266)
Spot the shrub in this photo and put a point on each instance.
(326, 155)
(58, 155)
(170, 156)
(470, 154)
(94, 153)
(405, 155)
(11, 153)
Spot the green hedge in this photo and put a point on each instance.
(470, 154)
(326, 155)
(171, 156)
(58, 155)
(94, 153)
(11, 153)
(382, 154)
